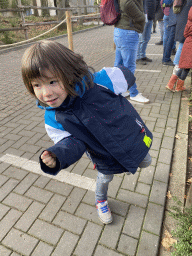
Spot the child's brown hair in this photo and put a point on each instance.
(60, 61)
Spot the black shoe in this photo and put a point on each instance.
(159, 43)
(140, 61)
(168, 63)
(173, 52)
(146, 59)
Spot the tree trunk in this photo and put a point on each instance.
(189, 198)
(45, 12)
(85, 9)
(35, 10)
(61, 13)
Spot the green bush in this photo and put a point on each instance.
(4, 4)
(183, 232)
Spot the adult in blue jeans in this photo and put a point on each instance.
(149, 9)
(126, 38)
(169, 37)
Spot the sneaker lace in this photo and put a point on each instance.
(104, 208)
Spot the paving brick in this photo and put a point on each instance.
(82, 165)
(11, 136)
(3, 167)
(134, 221)
(66, 244)
(70, 222)
(42, 181)
(39, 194)
(162, 172)
(88, 240)
(172, 122)
(88, 212)
(3, 179)
(148, 245)
(114, 186)
(4, 251)
(103, 251)
(158, 192)
(46, 232)
(52, 208)
(132, 198)
(146, 175)
(156, 144)
(17, 201)
(7, 188)
(3, 210)
(8, 222)
(20, 142)
(73, 200)
(15, 173)
(127, 245)
(89, 198)
(111, 233)
(59, 187)
(43, 249)
(6, 145)
(30, 148)
(29, 216)
(20, 242)
(90, 173)
(118, 207)
(153, 218)
(142, 188)
(26, 183)
(130, 181)
(165, 156)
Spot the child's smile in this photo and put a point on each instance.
(49, 90)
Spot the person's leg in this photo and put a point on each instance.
(161, 28)
(178, 54)
(139, 46)
(146, 161)
(169, 44)
(165, 34)
(145, 38)
(127, 43)
(102, 185)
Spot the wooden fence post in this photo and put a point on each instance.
(69, 30)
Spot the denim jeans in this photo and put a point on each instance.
(178, 54)
(165, 32)
(126, 42)
(169, 43)
(144, 39)
(103, 180)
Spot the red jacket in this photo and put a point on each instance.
(186, 54)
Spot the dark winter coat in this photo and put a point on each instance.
(104, 124)
(172, 17)
(158, 13)
(186, 54)
(149, 8)
(182, 21)
(132, 15)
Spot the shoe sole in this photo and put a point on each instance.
(105, 222)
(169, 89)
(141, 102)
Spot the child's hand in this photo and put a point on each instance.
(49, 159)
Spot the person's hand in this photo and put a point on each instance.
(49, 159)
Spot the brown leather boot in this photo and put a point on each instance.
(171, 84)
(180, 86)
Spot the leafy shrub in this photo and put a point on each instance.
(183, 232)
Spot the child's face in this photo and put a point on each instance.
(49, 90)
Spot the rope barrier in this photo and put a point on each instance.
(31, 39)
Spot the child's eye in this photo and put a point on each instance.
(53, 82)
(35, 85)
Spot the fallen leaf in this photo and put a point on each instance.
(177, 137)
(170, 174)
(169, 195)
(168, 241)
(190, 158)
(189, 180)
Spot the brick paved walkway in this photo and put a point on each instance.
(41, 215)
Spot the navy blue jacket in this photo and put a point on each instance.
(104, 124)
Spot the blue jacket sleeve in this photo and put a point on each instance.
(68, 151)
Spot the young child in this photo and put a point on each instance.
(85, 112)
(176, 82)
